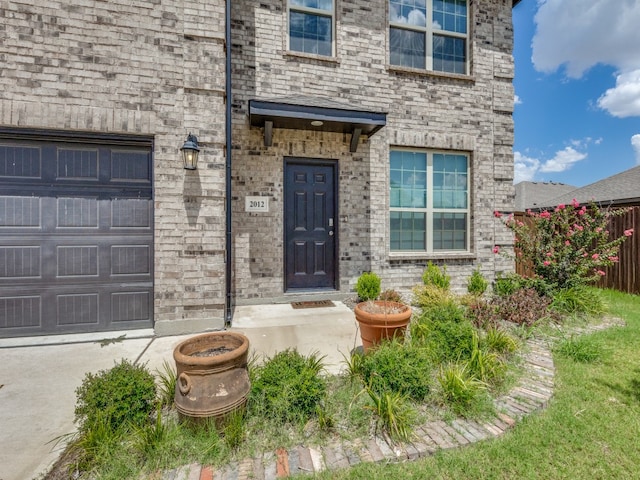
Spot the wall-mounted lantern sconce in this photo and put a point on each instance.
(190, 152)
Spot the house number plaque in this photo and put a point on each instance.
(256, 204)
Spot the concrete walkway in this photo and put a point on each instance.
(39, 375)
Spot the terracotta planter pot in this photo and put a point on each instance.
(212, 374)
(377, 325)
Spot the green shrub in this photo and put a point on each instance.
(368, 286)
(578, 300)
(446, 339)
(507, 285)
(444, 312)
(477, 284)
(434, 276)
(397, 367)
(288, 386)
(125, 394)
(426, 296)
(580, 349)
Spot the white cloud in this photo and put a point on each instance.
(579, 34)
(624, 99)
(517, 100)
(563, 160)
(527, 168)
(635, 142)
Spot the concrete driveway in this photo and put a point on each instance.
(39, 375)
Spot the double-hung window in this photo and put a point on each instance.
(311, 26)
(429, 201)
(429, 34)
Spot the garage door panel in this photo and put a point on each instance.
(16, 212)
(79, 212)
(20, 312)
(77, 164)
(20, 262)
(77, 309)
(76, 238)
(130, 166)
(20, 161)
(131, 213)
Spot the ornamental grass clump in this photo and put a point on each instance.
(568, 246)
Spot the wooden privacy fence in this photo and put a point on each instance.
(624, 275)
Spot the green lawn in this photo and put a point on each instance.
(591, 429)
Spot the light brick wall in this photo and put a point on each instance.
(471, 114)
(157, 68)
(144, 67)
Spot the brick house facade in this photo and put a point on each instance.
(100, 84)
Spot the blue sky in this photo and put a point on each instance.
(577, 85)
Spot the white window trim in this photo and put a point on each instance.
(429, 32)
(313, 11)
(429, 210)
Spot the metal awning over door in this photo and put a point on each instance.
(76, 234)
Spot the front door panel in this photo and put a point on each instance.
(310, 233)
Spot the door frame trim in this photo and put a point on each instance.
(330, 162)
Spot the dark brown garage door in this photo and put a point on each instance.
(76, 235)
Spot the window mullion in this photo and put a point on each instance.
(429, 36)
(429, 212)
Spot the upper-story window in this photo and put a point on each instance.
(429, 34)
(311, 26)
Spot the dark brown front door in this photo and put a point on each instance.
(310, 224)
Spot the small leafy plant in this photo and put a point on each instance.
(477, 284)
(433, 275)
(368, 286)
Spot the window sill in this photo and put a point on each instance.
(310, 56)
(418, 256)
(430, 73)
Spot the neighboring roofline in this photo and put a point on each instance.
(515, 2)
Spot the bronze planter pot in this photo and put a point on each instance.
(378, 325)
(213, 379)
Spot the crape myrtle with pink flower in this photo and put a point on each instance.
(568, 246)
